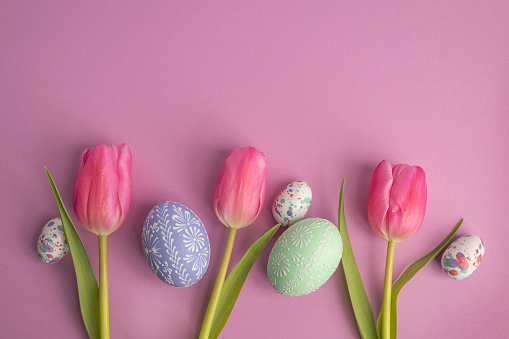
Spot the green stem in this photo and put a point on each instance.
(218, 286)
(104, 314)
(386, 311)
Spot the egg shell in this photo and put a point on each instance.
(304, 257)
(175, 244)
(292, 203)
(52, 244)
(463, 257)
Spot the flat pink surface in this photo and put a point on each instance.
(327, 89)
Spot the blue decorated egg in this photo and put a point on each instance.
(175, 244)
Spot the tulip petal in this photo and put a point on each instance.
(378, 201)
(81, 189)
(262, 195)
(253, 193)
(217, 207)
(407, 202)
(124, 166)
(231, 189)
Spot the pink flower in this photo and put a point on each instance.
(240, 190)
(102, 190)
(397, 201)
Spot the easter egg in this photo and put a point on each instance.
(175, 244)
(304, 257)
(463, 257)
(292, 203)
(52, 244)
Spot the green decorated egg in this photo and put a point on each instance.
(304, 257)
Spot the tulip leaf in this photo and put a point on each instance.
(358, 297)
(88, 290)
(409, 273)
(235, 280)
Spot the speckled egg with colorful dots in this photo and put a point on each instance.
(463, 257)
(292, 203)
(52, 244)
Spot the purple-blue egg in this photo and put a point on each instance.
(175, 244)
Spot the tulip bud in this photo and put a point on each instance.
(397, 201)
(102, 190)
(240, 190)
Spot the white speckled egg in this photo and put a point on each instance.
(52, 244)
(292, 203)
(304, 257)
(463, 256)
(175, 244)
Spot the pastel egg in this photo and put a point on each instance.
(463, 257)
(304, 257)
(292, 203)
(175, 244)
(52, 244)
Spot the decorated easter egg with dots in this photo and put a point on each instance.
(304, 257)
(292, 203)
(52, 244)
(175, 244)
(463, 257)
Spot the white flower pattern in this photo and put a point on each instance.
(280, 265)
(183, 219)
(193, 239)
(199, 261)
(301, 236)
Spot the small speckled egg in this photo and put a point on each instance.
(304, 257)
(292, 203)
(52, 244)
(463, 256)
(175, 244)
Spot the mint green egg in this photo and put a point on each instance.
(304, 257)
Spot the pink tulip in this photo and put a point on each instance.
(240, 190)
(238, 200)
(397, 201)
(102, 190)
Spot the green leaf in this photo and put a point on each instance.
(233, 284)
(358, 297)
(409, 273)
(88, 290)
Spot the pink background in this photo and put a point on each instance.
(327, 89)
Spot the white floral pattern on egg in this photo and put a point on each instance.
(304, 257)
(175, 244)
(463, 257)
(52, 244)
(292, 203)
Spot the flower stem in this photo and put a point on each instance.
(386, 311)
(218, 286)
(104, 315)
